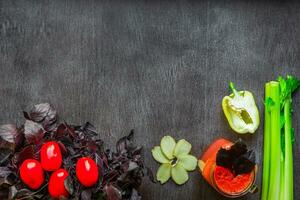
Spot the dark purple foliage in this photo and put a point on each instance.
(44, 114)
(238, 159)
(8, 136)
(26, 153)
(33, 132)
(120, 171)
(112, 192)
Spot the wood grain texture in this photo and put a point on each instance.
(160, 67)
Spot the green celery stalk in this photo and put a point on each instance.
(278, 140)
(282, 179)
(287, 86)
(267, 133)
(275, 144)
(288, 151)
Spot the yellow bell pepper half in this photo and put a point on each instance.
(241, 111)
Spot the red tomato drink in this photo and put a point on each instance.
(221, 178)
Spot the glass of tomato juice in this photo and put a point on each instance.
(222, 179)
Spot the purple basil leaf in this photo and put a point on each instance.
(70, 130)
(60, 131)
(131, 178)
(40, 196)
(86, 131)
(41, 111)
(71, 151)
(135, 195)
(132, 166)
(122, 145)
(112, 192)
(49, 127)
(125, 143)
(224, 158)
(92, 146)
(63, 148)
(20, 140)
(8, 136)
(67, 141)
(242, 165)
(238, 148)
(33, 131)
(24, 193)
(7, 177)
(89, 129)
(9, 132)
(69, 185)
(26, 115)
(137, 151)
(44, 114)
(237, 159)
(67, 162)
(6, 145)
(26, 153)
(13, 191)
(5, 154)
(104, 159)
(99, 163)
(4, 193)
(86, 195)
(131, 135)
(245, 163)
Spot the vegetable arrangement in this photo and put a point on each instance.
(277, 180)
(45, 159)
(230, 168)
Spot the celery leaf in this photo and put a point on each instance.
(269, 103)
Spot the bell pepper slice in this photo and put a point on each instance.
(241, 111)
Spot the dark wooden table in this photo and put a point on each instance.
(160, 67)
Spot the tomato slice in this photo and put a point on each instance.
(230, 184)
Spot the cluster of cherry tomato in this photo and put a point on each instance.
(32, 171)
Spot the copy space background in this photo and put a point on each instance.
(159, 67)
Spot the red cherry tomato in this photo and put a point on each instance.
(32, 174)
(56, 185)
(51, 157)
(87, 171)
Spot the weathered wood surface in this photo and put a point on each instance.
(160, 67)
